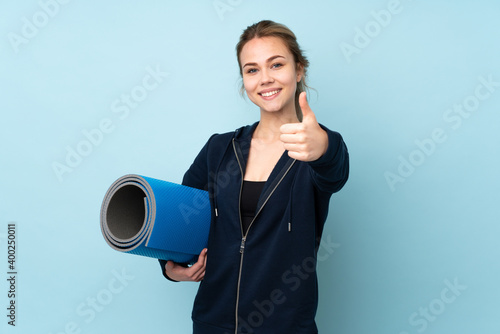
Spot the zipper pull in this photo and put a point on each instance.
(242, 246)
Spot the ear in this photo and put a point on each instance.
(300, 71)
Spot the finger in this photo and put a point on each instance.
(203, 256)
(293, 147)
(307, 112)
(291, 128)
(169, 266)
(197, 272)
(200, 277)
(200, 258)
(199, 267)
(200, 263)
(297, 155)
(291, 138)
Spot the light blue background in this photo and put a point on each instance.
(394, 248)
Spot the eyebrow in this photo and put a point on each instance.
(267, 61)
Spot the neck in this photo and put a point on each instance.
(268, 128)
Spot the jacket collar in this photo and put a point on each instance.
(244, 134)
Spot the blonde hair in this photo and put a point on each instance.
(267, 28)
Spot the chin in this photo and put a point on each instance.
(271, 109)
(275, 107)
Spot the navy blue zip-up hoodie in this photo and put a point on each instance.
(265, 281)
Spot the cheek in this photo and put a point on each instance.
(249, 84)
(287, 78)
(291, 82)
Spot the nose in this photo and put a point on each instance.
(266, 77)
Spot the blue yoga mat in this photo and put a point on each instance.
(149, 217)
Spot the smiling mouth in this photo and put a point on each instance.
(272, 93)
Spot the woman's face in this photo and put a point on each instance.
(270, 75)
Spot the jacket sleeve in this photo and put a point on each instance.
(197, 174)
(331, 171)
(195, 177)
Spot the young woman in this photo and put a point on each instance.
(270, 184)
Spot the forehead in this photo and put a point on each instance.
(260, 49)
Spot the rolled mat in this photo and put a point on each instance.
(155, 218)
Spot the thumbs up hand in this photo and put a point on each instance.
(305, 141)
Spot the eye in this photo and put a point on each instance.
(277, 65)
(251, 70)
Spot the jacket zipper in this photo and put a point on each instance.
(242, 245)
(244, 235)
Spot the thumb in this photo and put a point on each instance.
(307, 112)
(169, 265)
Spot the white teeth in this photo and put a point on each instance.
(270, 93)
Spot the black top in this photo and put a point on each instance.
(249, 199)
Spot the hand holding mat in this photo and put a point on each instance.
(155, 218)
